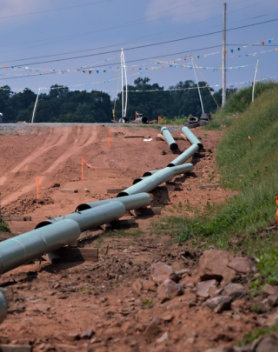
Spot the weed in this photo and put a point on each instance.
(148, 303)
(256, 333)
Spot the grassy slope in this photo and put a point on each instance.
(249, 166)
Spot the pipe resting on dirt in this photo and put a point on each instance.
(149, 183)
(169, 139)
(134, 201)
(3, 306)
(185, 155)
(20, 249)
(191, 137)
(54, 233)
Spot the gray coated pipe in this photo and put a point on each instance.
(3, 306)
(93, 217)
(134, 201)
(20, 249)
(149, 173)
(185, 155)
(169, 139)
(150, 182)
(191, 137)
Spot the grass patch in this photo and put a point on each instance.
(4, 227)
(256, 333)
(178, 120)
(147, 303)
(237, 104)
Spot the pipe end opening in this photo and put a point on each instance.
(174, 147)
(137, 180)
(81, 207)
(42, 224)
(122, 194)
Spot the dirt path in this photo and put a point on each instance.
(111, 305)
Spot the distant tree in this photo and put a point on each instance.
(146, 98)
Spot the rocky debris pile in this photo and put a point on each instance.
(217, 284)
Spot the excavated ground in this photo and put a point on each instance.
(112, 304)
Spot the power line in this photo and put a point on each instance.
(146, 45)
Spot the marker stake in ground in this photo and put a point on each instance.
(38, 183)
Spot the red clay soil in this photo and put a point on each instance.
(109, 305)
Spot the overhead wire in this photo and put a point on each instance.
(148, 45)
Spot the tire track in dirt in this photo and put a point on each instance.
(59, 145)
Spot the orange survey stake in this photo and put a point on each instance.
(38, 182)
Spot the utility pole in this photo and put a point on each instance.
(224, 56)
(254, 82)
(35, 106)
(124, 84)
(196, 79)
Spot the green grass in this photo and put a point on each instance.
(4, 227)
(178, 120)
(247, 158)
(256, 333)
(237, 104)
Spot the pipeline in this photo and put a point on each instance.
(191, 137)
(93, 217)
(149, 173)
(134, 201)
(169, 139)
(55, 233)
(149, 183)
(185, 155)
(3, 306)
(23, 248)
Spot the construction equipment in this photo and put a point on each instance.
(140, 118)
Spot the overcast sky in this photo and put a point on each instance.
(77, 43)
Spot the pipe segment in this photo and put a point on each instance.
(169, 139)
(93, 217)
(3, 306)
(185, 155)
(149, 173)
(20, 249)
(134, 201)
(150, 182)
(191, 137)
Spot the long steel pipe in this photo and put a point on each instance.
(55, 233)
(20, 249)
(169, 139)
(191, 137)
(90, 218)
(134, 201)
(150, 182)
(149, 173)
(3, 306)
(185, 155)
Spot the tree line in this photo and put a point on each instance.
(62, 105)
